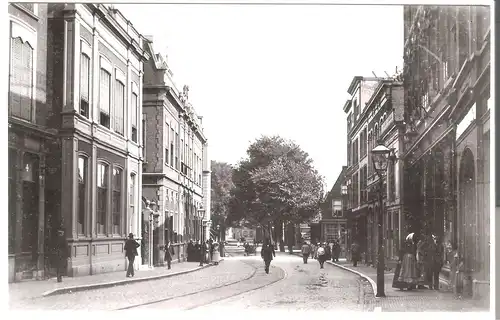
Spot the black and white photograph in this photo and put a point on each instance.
(290, 156)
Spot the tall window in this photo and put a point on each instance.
(84, 84)
(133, 106)
(132, 196)
(119, 106)
(21, 79)
(82, 181)
(167, 142)
(337, 208)
(392, 181)
(177, 152)
(102, 196)
(104, 98)
(463, 35)
(172, 135)
(117, 199)
(144, 136)
(12, 198)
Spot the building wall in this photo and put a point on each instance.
(455, 131)
(173, 175)
(95, 31)
(29, 141)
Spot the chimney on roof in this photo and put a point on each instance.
(149, 38)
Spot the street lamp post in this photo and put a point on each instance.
(152, 215)
(380, 158)
(201, 213)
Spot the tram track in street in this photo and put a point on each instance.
(216, 300)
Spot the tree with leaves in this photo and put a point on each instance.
(275, 185)
(221, 185)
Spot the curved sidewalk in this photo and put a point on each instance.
(415, 300)
(30, 289)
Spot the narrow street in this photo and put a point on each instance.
(237, 282)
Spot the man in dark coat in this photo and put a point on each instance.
(131, 252)
(336, 250)
(328, 251)
(169, 252)
(62, 254)
(211, 244)
(190, 251)
(355, 253)
(305, 250)
(438, 262)
(267, 253)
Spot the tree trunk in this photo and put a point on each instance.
(279, 234)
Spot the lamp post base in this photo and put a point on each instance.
(380, 295)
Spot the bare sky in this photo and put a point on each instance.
(284, 70)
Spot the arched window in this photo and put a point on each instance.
(82, 192)
(117, 200)
(102, 196)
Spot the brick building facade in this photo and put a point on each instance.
(374, 114)
(175, 159)
(96, 58)
(29, 142)
(447, 98)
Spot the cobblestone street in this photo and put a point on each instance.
(307, 287)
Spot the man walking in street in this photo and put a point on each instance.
(321, 252)
(355, 253)
(61, 253)
(306, 250)
(267, 253)
(131, 252)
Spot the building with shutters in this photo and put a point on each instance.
(96, 59)
(176, 169)
(29, 141)
(447, 111)
(374, 115)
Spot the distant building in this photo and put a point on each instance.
(333, 223)
(175, 168)
(248, 233)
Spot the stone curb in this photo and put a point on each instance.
(362, 275)
(86, 287)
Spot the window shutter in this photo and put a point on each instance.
(134, 110)
(84, 77)
(119, 106)
(16, 77)
(27, 85)
(104, 93)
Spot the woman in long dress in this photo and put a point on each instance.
(408, 274)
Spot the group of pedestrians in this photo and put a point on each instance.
(321, 252)
(420, 261)
(202, 252)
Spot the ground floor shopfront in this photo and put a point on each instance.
(447, 183)
(177, 217)
(335, 230)
(100, 204)
(30, 215)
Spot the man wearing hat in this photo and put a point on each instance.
(61, 251)
(131, 252)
